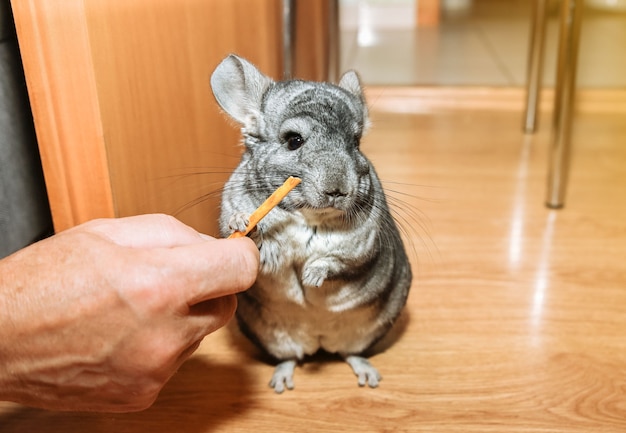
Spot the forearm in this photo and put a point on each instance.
(35, 315)
(56, 327)
(10, 286)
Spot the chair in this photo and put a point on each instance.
(289, 9)
(565, 87)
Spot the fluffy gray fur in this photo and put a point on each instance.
(334, 272)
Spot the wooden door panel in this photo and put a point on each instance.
(125, 118)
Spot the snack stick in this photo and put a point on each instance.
(268, 205)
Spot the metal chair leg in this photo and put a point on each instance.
(334, 56)
(288, 37)
(571, 19)
(535, 64)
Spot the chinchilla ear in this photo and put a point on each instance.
(351, 82)
(238, 86)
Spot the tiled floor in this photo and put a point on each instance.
(484, 43)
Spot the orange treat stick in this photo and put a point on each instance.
(267, 206)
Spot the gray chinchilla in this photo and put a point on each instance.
(334, 272)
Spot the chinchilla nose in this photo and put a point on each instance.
(335, 178)
(335, 193)
(334, 196)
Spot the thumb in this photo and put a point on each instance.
(217, 267)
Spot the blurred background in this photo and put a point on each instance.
(424, 44)
(473, 42)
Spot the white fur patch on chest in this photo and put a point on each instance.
(333, 316)
(285, 250)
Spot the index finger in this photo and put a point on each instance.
(146, 231)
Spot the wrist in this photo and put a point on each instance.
(8, 381)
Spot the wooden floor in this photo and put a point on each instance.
(517, 317)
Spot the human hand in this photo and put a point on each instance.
(100, 316)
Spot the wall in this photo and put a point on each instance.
(124, 114)
(24, 213)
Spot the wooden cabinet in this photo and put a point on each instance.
(125, 118)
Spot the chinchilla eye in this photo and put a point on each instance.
(294, 140)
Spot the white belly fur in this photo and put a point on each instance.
(297, 320)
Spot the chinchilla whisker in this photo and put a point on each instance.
(213, 195)
(401, 192)
(216, 189)
(415, 227)
(198, 171)
(356, 215)
(411, 212)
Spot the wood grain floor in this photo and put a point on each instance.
(517, 316)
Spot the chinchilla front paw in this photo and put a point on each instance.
(238, 222)
(314, 274)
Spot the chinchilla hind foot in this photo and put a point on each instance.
(365, 372)
(283, 376)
